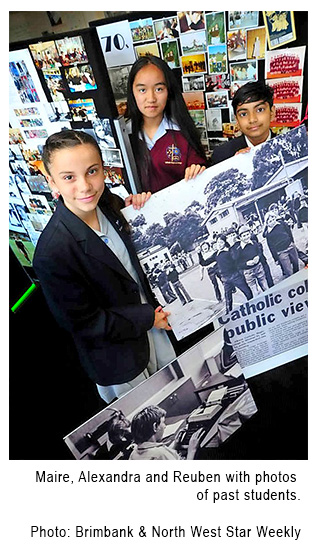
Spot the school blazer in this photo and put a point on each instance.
(93, 297)
(230, 148)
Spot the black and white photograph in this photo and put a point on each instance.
(214, 120)
(103, 133)
(197, 402)
(193, 83)
(119, 80)
(234, 233)
(111, 158)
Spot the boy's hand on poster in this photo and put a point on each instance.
(194, 170)
(137, 200)
(161, 319)
(243, 151)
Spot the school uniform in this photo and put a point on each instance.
(170, 155)
(283, 250)
(230, 148)
(93, 296)
(253, 273)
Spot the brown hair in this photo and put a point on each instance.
(65, 139)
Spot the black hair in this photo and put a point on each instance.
(175, 109)
(253, 91)
(142, 424)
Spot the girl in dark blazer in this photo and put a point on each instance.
(90, 274)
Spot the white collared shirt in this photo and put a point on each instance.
(164, 126)
(250, 145)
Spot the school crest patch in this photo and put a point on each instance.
(173, 154)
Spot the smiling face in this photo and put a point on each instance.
(150, 92)
(77, 174)
(254, 120)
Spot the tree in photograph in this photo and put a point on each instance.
(184, 229)
(155, 235)
(225, 186)
(267, 160)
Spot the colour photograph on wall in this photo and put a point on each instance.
(166, 28)
(256, 43)
(217, 59)
(215, 28)
(142, 30)
(191, 21)
(71, 50)
(280, 28)
(238, 20)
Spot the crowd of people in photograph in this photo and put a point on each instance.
(235, 257)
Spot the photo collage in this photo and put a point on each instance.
(213, 55)
(32, 119)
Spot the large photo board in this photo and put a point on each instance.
(191, 244)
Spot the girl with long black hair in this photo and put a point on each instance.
(165, 140)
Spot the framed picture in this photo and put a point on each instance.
(285, 62)
(280, 28)
(287, 90)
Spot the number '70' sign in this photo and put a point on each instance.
(116, 43)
